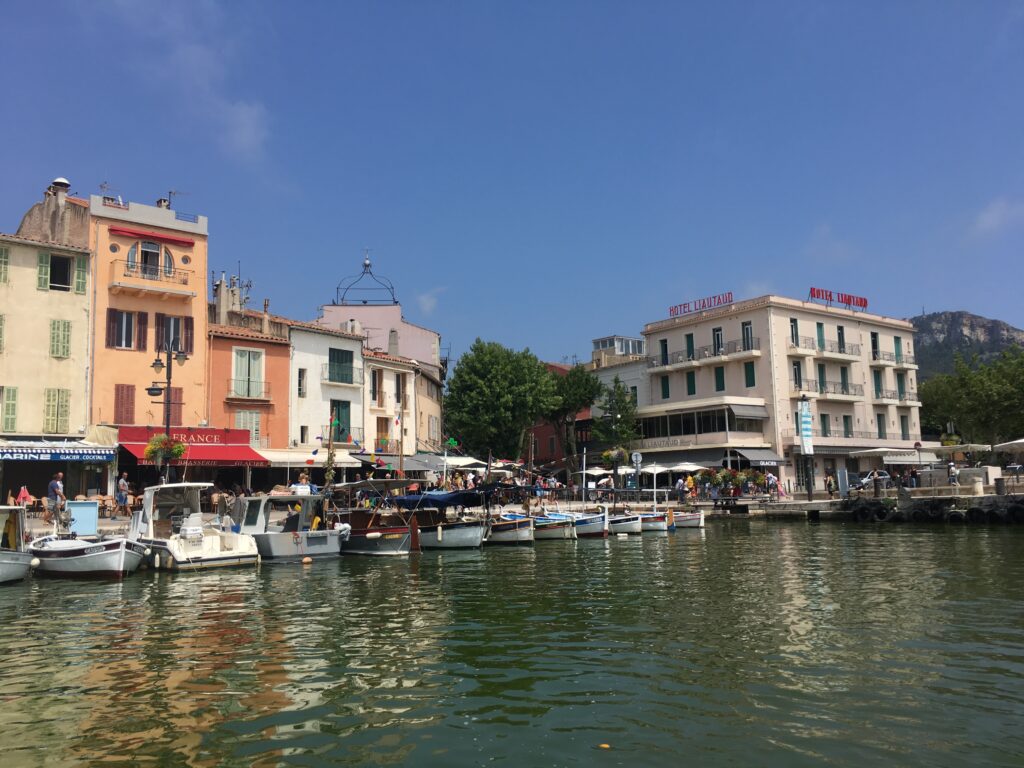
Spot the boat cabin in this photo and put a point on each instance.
(165, 508)
(12, 523)
(294, 513)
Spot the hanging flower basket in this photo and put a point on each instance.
(162, 448)
(613, 456)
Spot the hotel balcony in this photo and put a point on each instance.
(888, 396)
(704, 439)
(342, 375)
(712, 354)
(802, 346)
(839, 437)
(248, 389)
(344, 437)
(834, 350)
(909, 398)
(879, 358)
(837, 390)
(138, 279)
(906, 361)
(803, 387)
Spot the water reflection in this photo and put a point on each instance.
(743, 642)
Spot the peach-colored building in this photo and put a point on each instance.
(150, 295)
(249, 359)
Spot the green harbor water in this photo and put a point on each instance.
(748, 643)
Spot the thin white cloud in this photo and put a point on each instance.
(824, 247)
(999, 215)
(428, 301)
(187, 47)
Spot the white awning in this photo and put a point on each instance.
(300, 457)
(750, 411)
(911, 457)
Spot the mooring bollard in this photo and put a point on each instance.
(1000, 486)
(878, 487)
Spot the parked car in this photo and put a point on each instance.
(865, 481)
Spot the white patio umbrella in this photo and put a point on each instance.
(654, 469)
(687, 466)
(1015, 447)
(949, 450)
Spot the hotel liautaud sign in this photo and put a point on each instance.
(699, 305)
(847, 300)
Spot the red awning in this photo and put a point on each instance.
(173, 239)
(207, 455)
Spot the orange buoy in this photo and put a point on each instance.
(307, 560)
(605, 746)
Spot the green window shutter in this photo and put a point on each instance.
(10, 409)
(720, 379)
(5, 264)
(65, 338)
(3, 323)
(54, 338)
(748, 371)
(43, 275)
(691, 382)
(81, 271)
(50, 410)
(64, 411)
(664, 388)
(60, 338)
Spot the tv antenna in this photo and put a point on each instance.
(172, 193)
(106, 188)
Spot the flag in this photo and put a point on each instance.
(316, 451)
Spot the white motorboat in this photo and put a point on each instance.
(656, 521)
(625, 524)
(180, 538)
(455, 534)
(507, 530)
(76, 550)
(293, 527)
(689, 519)
(587, 525)
(15, 560)
(545, 528)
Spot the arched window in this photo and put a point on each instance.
(132, 258)
(168, 263)
(150, 259)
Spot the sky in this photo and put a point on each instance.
(542, 174)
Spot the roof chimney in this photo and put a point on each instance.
(163, 202)
(266, 317)
(59, 187)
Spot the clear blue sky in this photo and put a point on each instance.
(544, 173)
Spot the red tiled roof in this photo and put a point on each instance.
(78, 201)
(384, 356)
(237, 332)
(51, 243)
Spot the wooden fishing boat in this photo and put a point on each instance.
(507, 530)
(293, 527)
(75, 549)
(689, 519)
(656, 521)
(629, 524)
(378, 527)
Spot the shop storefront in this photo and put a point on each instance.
(221, 456)
(88, 469)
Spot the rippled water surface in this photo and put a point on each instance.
(749, 643)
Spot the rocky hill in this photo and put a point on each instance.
(940, 335)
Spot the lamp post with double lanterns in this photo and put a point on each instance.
(159, 366)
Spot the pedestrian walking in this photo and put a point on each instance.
(954, 474)
(121, 497)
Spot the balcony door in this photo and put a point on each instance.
(339, 365)
(248, 376)
(341, 420)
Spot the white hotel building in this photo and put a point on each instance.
(724, 385)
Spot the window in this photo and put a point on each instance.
(177, 406)
(720, 378)
(5, 264)
(339, 366)
(126, 330)
(383, 432)
(551, 445)
(663, 348)
(689, 346)
(10, 409)
(3, 323)
(633, 394)
(664, 388)
(717, 341)
(174, 332)
(825, 422)
(877, 376)
(844, 380)
(901, 385)
(56, 273)
(303, 435)
(302, 386)
(60, 338)
(841, 338)
(149, 261)
(248, 374)
(821, 335)
(124, 403)
(434, 429)
(168, 263)
(341, 420)
(377, 387)
(821, 377)
(874, 345)
(249, 420)
(798, 374)
(400, 390)
(691, 382)
(847, 426)
(880, 422)
(81, 273)
(747, 332)
(56, 410)
(897, 348)
(905, 427)
(748, 374)
(794, 332)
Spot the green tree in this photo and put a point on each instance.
(495, 394)
(576, 390)
(616, 426)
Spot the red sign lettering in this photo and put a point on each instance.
(699, 305)
(844, 299)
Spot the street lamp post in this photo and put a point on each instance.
(156, 390)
